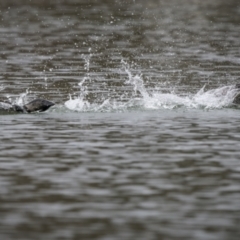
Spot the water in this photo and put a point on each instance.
(143, 142)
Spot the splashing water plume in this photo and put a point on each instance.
(20, 100)
(136, 81)
(212, 99)
(79, 103)
(215, 98)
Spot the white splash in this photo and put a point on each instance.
(136, 81)
(212, 99)
(77, 104)
(22, 99)
(215, 98)
(2, 87)
(18, 100)
(4, 105)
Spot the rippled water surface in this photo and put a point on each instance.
(143, 142)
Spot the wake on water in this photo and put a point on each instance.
(213, 99)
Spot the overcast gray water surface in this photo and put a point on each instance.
(143, 142)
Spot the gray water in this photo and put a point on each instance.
(143, 142)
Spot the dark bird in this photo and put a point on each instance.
(37, 105)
